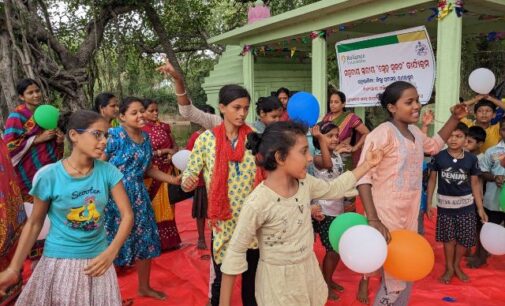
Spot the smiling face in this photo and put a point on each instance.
(236, 111)
(32, 96)
(407, 107)
(91, 141)
(134, 115)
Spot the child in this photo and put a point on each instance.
(107, 105)
(199, 210)
(129, 149)
(493, 175)
(397, 178)
(328, 165)
(230, 175)
(269, 110)
(278, 214)
(458, 193)
(485, 110)
(76, 264)
(475, 140)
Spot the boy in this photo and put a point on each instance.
(476, 138)
(458, 193)
(485, 111)
(493, 174)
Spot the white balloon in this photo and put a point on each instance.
(45, 227)
(482, 80)
(180, 159)
(363, 249)
(492, 237)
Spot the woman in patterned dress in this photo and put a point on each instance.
(164, 146)
(12, 217)
(129, 149)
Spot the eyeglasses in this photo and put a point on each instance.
(99, 135)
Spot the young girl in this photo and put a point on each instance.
(107, 105)
(129, 149)
(278, 214)
(269, 110)
(230, 173)
(391, 192)
(328, 166)
(200, 202)
(163, 146)
(76, 264)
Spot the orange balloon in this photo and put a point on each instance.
(410, 256)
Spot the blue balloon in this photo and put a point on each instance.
(303, 107)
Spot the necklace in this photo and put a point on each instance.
(455, 159)
(81, 173)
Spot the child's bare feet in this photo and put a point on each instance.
(461, 275)
(362, 295)
(201, 245)
(332, 296)
(150, 292)
(336, 286)
(446, 277)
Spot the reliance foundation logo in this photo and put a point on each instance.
(352, 59)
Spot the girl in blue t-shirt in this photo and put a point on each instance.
(76, 266)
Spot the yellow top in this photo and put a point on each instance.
(240, 185)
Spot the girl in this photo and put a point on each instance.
(76, 264)
(129, 149)
(200, 203)
(283, 95)
(163, 146)
(107, 105)
(278, 214)
(328, 165)
(30, 147)
(269, 110)
(230, 173)
(349, 124)
(391, 193)
(12, 218)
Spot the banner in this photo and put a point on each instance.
(368, 64)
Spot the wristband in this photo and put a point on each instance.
(181, 95)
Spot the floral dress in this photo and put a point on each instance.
(132, 159)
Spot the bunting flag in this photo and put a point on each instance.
(293, 51)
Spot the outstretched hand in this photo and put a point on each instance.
(374, 156)
(168, 70)
(428, 117)
(7, 278)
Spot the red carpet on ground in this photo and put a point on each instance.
(184, 274)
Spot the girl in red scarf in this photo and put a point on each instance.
(230, 173)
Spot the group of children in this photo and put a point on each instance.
(262, 204)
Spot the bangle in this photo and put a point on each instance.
(181, 95)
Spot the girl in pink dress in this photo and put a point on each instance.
(390, 193)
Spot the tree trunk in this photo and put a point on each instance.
(8, 88)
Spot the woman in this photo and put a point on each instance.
(12, 217)
(164, 147)
(349, 125)
(107, 105)
(283, 95)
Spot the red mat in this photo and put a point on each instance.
(183, 274)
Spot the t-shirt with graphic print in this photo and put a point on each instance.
(75, 208)
(454, 192)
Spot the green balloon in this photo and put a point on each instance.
(501, 199)
(342, 223)
(46, 116)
